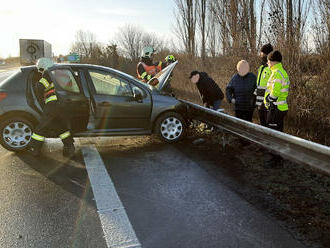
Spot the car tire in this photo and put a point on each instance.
(15, 133)
(170, 127)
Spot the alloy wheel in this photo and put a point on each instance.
(17, 134)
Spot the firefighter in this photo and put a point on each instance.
(275, 99)
(264, 73)
(53, 115)
(146, 68)
(169, 59)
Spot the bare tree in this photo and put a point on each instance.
(186, 24)
(231, 16)
(85, 44)
(261, 19)
(286, 28)
(130, 40)
(202, 12)
(322, 26)
(213, 31)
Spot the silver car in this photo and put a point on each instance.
(99, 101)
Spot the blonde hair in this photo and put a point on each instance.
(243, 68)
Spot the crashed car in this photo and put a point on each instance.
(99, 101)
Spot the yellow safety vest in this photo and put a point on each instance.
(278, 87)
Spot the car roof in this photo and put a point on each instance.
(88, 66)
(83, 66)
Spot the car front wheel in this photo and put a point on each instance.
(170, 127)
(15, 133)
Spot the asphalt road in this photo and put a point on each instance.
(169, 199)
(125, 192)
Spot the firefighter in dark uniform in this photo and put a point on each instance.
(53, 115)
(146, 68)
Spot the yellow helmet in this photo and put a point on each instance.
(170, 59)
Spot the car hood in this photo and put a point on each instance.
(164, 75)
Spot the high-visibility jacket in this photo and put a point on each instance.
(277, 88)
(264, 73)
(146, 72)
(46, 87)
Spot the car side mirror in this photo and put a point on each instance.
(137, 94)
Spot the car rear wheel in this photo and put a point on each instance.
(15, 133)
(170, 127)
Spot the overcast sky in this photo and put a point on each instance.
(57, 21)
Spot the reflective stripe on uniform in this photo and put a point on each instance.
(278, 81)
(51, 98)
(258, 103)
(51, 86)
(44, 82)
(149, 77)
(65, 135)
(285, 90)
(272, 98)
(283, 81)
(280, 103)
(262, 87)
(37, 137)
(260, 97)
(143, 75)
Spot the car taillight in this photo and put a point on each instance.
(3, 95)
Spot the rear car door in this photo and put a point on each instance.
(70, 95)
(115, 107)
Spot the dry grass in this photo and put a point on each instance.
(309, 97)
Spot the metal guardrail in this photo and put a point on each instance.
(290, 147)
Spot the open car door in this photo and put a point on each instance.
(70, 94)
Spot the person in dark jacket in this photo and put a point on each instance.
(210, 92)
(240, 91)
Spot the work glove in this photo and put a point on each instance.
(271, 101)
(153, 82)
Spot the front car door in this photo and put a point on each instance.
(114, 105)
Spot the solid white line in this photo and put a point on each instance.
(118, 230)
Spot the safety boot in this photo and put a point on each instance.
(68, 150)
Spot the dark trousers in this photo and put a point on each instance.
(55, 118)
(262, 111)
(244, 115)
(275, 119)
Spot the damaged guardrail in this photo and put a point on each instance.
(288, 146)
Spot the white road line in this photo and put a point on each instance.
(118, 230)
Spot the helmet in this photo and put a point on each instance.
(147, 52)
(170, 59)
(43, 64)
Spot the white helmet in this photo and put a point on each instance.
(147, 52)
(43, 64)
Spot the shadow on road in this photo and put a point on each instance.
(70, 175)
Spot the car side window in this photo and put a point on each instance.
(109, 84)
(66, 80)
